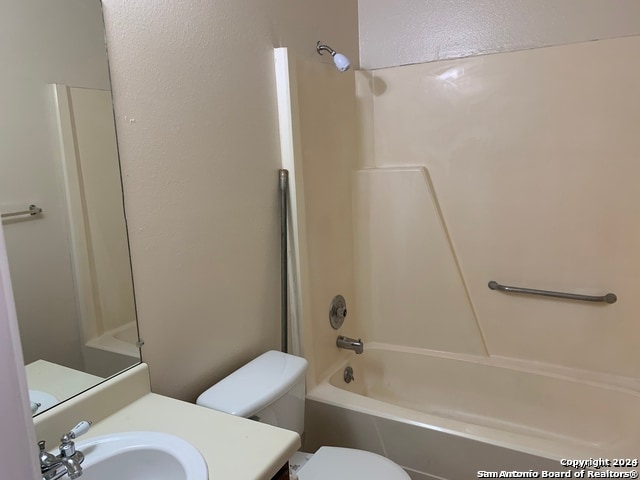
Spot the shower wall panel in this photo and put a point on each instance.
(318, 121)
(533, 159)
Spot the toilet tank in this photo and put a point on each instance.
(269, 389)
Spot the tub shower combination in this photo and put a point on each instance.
(466, 210)
(424, 409)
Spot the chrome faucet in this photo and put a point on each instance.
(350, 344)
(68, 462)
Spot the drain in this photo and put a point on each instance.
(348, 375)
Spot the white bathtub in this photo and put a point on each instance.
(112, 351)
(121, 340)
(520, 409)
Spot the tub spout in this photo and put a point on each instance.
(350, 344)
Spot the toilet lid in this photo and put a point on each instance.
(348, 464)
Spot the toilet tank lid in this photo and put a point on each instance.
(255, 385)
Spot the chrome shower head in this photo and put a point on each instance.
(341, 61)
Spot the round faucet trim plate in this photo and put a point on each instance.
(337, 311)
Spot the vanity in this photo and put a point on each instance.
(62, 212)
(232, 447)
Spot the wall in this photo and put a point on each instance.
(17, 435)
(420, 31)
(410, 289)
(319, 141)
(98, 211)
(328, 126)
(57, 42)
(531, 157)
(195, 101)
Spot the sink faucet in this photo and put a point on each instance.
(350, 344)
(68, 462)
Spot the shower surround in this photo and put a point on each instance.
(515, 167)
(532, 160)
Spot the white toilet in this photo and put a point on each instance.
(271, 389)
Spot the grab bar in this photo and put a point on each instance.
(608, 298)
(33, 210)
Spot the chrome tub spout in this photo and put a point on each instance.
(350, 344)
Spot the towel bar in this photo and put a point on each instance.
(33, 210)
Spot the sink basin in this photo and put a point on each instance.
(141, 456)
(46, 400)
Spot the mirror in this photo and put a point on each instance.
(61, 199)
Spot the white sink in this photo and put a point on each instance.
(46, 400)
(141, 456)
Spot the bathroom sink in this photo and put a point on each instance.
(141, 456)
(43, 400)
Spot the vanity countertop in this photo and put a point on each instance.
(61, 382)
(232, 447)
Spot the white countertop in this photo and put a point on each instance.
(233, 447)
(61, 382)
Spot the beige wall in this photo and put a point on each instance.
(54, 42)
(413, 31)
(196, 111)
(327, 120)
(533, 159)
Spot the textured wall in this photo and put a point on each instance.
(194, 94)
(413, 31)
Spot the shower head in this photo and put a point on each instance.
(341, 61)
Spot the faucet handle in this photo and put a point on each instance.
(46, 458)
(67, 447)
(80, 429)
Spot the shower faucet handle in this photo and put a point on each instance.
(340, 311)
(337, 311)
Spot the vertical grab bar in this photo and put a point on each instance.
(284, 304)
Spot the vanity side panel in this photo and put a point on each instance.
(17, 436)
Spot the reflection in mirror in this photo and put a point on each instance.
(69, 263)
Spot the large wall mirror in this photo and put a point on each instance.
(61, 199)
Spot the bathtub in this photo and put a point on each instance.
(112, 351)
(414, 405)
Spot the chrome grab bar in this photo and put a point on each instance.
(33, 210)
(608, 298)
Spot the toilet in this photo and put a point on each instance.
(271, 389)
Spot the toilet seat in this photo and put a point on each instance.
(349, 464)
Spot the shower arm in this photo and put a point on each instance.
(326, 48)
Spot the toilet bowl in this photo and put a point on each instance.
(337, 463)
(271, 389)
